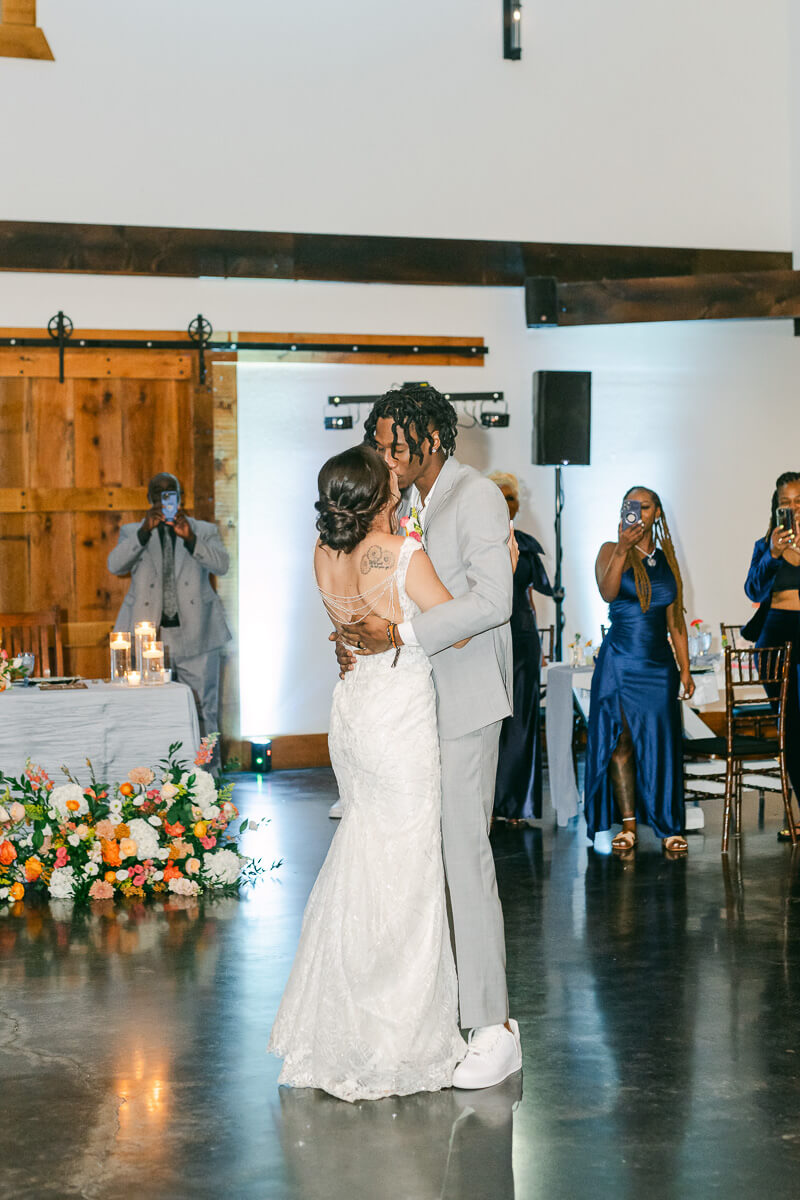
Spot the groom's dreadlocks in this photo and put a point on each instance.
(417, 409)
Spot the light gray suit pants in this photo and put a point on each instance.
(469, 768)
(200, 672)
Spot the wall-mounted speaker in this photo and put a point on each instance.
(541, 301)
(562, 417)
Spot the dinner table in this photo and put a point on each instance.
(113, 725)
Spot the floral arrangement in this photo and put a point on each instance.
(141, 837)
(10, 670)
(411, 527)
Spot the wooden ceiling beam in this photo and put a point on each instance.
(225, 253)
(716, 297)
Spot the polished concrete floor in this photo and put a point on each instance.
(658, 1002)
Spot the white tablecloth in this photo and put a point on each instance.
(117, 727)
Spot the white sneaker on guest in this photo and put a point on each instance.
(493, 1053)
(335, 811)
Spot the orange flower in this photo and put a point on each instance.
(171, 872)
(111, 853)
(174, 830)
(73, 805)
(128, 847)
(110, 876)
(8, 853)
(174, 850)
(122, 831)
(126, 789)
(201, 829)
(17, 891)
(33, 869)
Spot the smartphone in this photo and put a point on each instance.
(785, 517)
(631, 513)
(169, 505)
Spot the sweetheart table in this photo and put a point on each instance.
(116, 726)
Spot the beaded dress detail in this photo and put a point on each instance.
(371, 1006)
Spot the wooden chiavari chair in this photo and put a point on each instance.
(753, 756)
(547, 638)
(38, 632)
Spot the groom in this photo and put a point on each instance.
(463, 521)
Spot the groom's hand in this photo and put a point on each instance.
(345, 658)
(370, 636)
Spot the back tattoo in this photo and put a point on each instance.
(376, 558)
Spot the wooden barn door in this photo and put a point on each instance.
(75, 459)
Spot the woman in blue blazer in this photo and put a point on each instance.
(773, 582)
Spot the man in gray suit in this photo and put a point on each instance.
(170, 557)
(463, 521)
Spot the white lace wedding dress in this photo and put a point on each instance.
(371, 1006)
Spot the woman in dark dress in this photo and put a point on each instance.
(773, 582)
(634, 759)
(518, 791)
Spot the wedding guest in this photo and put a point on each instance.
(171, 586)
(773, 582)
(634, 746)
(518, 789)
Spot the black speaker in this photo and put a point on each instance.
(541, 302)
(562, 417)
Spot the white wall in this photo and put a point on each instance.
(661, 123)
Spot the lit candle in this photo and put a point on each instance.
(134, 678)
(120, 641)
(144, 632)
(120, 648)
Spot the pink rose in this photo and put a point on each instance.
(141, 775)
(100, 890)
(105, 829)
(208, 843)
(17, 812)
(62, 854)
(192, 866)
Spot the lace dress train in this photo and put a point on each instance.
(371, 1006)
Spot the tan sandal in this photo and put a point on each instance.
(627, 839)
(676, 844)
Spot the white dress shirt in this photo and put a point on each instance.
(406, 628)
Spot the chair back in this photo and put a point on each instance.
(731, 635)
(746, 711)
(38, 632)
(547, 638)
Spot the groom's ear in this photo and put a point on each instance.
(437, 441)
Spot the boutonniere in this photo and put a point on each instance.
(411, 527)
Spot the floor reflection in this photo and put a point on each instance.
(437, 1146)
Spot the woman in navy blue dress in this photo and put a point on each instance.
(634, 759)
(773, 582)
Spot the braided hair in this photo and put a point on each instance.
(417, 409)
(634, 560)
(786, 477)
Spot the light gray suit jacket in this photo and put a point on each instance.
(466, 531)
(203, 626)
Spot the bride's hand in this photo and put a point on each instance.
(513, 547)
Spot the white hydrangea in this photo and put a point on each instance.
(59, 797)
(205, 793)
(145, 837)
(222, 866)
(184, 887)
(62, 883)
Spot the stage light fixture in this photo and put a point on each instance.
(261, 755)
(494, 420)
(512, 29)
(341, 421)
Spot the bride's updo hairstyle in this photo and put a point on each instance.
(353, 488)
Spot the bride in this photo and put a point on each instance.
(371, 1006)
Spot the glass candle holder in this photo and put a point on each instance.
(144, 631)
(120, 648)
(133, 678)
(152, 662)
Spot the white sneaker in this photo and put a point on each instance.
(493, 1054)
(335, 811)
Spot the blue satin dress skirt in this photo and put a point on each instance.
(636, 675)
(782, 625)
